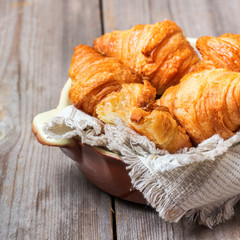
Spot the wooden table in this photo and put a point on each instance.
(42, 193)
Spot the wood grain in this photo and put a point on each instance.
(42, 193)
(197, 18)
(136, 221)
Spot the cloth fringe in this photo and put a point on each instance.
(202, 183)
(212, 216)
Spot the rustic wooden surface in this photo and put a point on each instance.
(42, 193)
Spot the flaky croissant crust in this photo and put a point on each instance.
(219, 52)
(135, 105)
(158, 52)
(206, 103)
(94, 77)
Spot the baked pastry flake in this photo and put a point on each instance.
(94, 77)
(206, 103)
(159, 52)
(135, 105)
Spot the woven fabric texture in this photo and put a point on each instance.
(203, 183)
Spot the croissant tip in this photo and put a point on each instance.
(95, 42)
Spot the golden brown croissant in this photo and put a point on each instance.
(219, 52)
(206, 103)
(94, 77)
(158, 52)
(134, 105)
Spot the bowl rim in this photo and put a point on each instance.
(43, 118)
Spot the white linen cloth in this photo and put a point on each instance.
(202, 183)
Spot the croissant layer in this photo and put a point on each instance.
(219, 52)
(94, 77)
(158, 52)
(206, 103)
(134, 104)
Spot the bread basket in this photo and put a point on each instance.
(103, 168)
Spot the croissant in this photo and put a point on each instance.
(158, 52)
(206, 103)
(219, 52)
(134, 104)
(94, 77)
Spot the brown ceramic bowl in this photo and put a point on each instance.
(103, 168)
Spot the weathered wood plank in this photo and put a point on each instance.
(136, 221)
(197, 18)
(42, 193)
